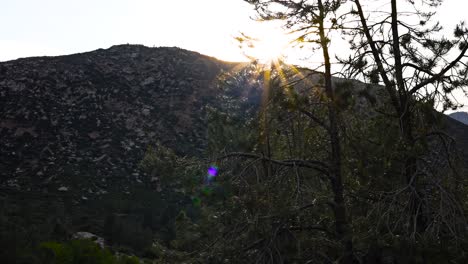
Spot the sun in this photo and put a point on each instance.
(266, 46)
(270, 48)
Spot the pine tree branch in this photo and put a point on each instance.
(311, 164)
(439, 75)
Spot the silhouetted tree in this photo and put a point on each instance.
(401, 48)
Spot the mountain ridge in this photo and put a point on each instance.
(460, 116)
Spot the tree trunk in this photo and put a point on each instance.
(342, 226)
(418, 220)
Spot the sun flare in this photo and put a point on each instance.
(266, 46)
(270, 48)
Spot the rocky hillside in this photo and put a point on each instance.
(81, 121)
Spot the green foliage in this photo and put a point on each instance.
(187, 234)
(167, 170)
(80, 251)
(232, 121)
(75, 252)
(128, 260)
(161, 161)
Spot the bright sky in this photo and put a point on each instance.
(58, 27)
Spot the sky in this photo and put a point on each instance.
(59, 27)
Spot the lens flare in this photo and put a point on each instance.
(212, 171)
(207, 188)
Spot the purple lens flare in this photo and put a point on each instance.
(212, 171)
(207, 188)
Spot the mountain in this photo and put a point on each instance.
(83, 122)
(74, 130)
(70, 118)
(460, 116)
